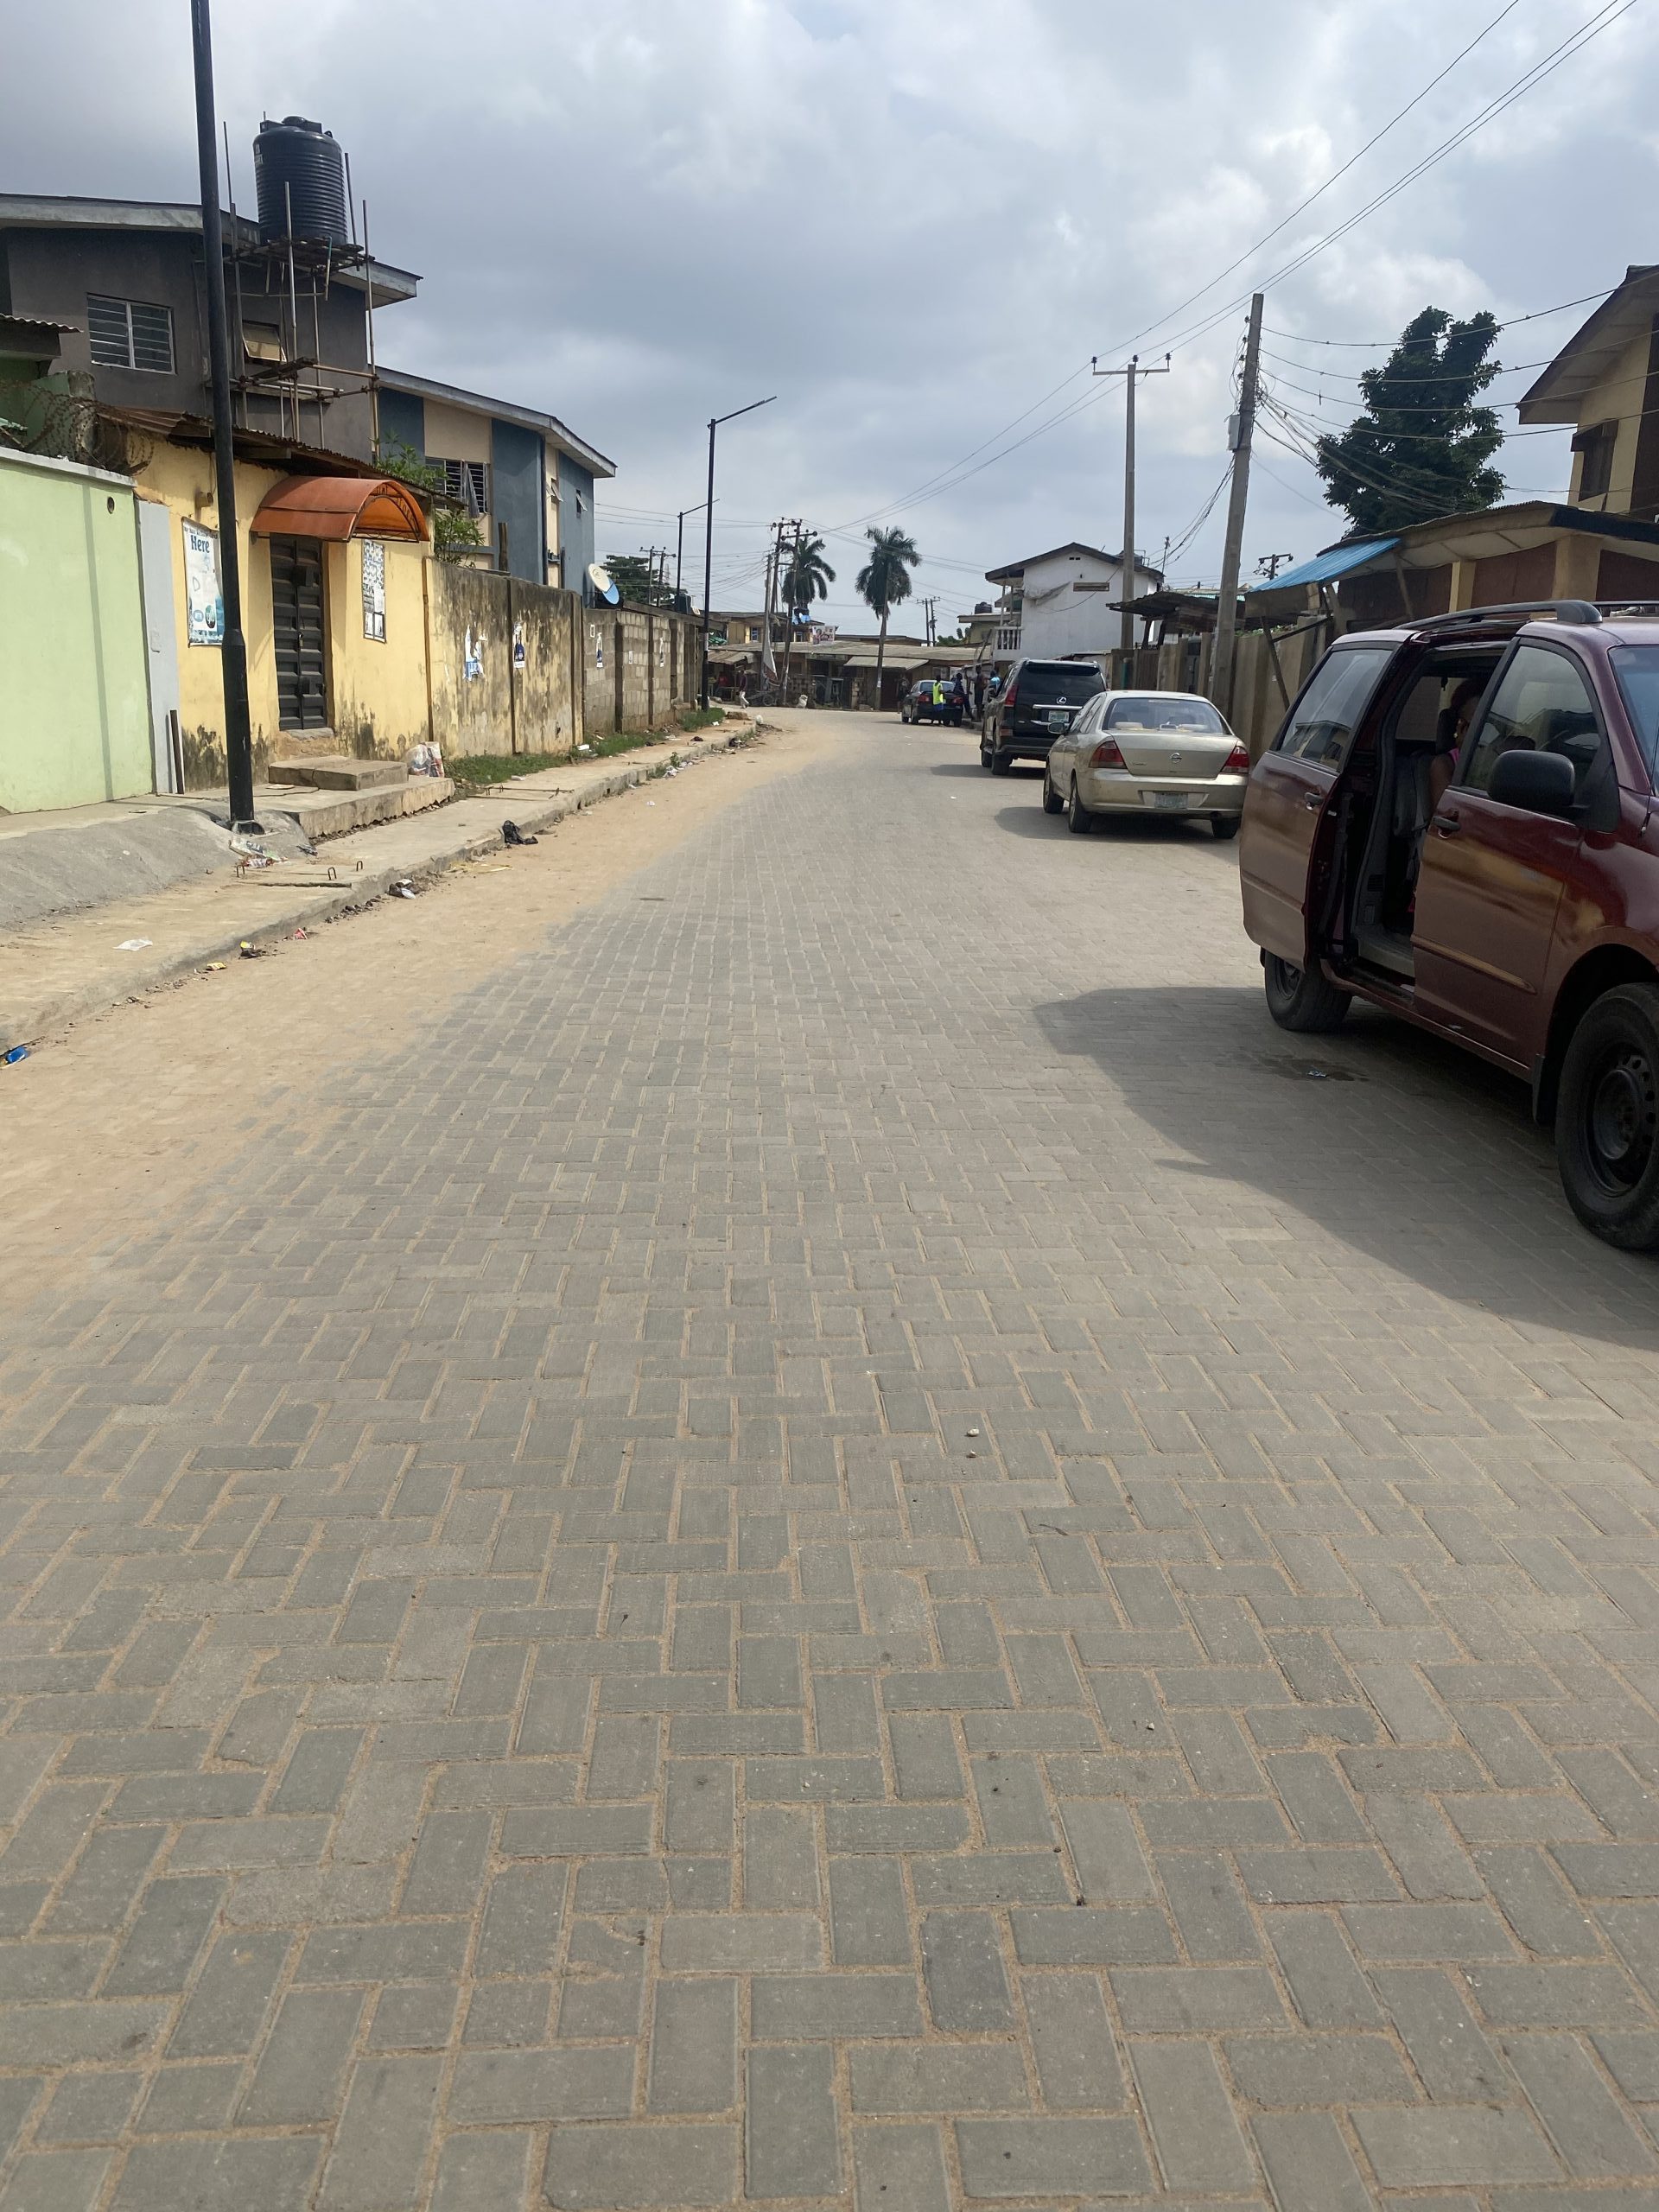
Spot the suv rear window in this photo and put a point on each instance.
(1322, 722)
(1196, 714)
(1636, 667)
(1061, 683)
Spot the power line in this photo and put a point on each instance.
(959, 472)
(1429, 376)
(1399, 116)
(1382, 344)
(1606, 17)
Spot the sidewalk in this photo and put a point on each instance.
(53, 972)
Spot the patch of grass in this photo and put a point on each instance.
(479, 770)
(483, 769)
(623, 740)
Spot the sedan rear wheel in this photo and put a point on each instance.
(1079, 820)
(1607, 1120)
(1301, 999)
(1224, 825)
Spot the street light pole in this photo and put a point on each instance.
(1126, 632)
(714, 422)
(679, 541)
(233, 649)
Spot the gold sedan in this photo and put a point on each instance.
(1147, 752)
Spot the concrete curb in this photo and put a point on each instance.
(27, 1016)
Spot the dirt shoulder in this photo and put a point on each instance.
(156, 1095)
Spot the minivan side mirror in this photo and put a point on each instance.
(1537, 783)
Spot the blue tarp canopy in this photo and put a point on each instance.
(1326, 567)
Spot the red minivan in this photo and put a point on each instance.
(1460, 821)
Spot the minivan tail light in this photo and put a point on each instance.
(1107, 755)
(1237, 762)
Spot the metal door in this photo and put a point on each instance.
(156, 525)
(1291, 788)
(1492, 876)
(299, 645)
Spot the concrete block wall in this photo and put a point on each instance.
(638, 663)
(503, 656)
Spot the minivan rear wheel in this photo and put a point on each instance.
(1300, 998)
(1607, 1118)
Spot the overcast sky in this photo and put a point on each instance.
(911, 220)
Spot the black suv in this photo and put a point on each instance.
(1039, 703)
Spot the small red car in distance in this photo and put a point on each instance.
(1460, 821)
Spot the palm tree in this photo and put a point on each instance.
(884, 582)
(807, 576)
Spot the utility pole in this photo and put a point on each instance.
(1221, 666)
(791, 574)
(1270, 565)
(233, 648)
(928, 606)
(774, 593)
(1131, 376)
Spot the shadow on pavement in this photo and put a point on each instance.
(956, 768)
(1410, 1151)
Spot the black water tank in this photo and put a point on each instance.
(298, 166)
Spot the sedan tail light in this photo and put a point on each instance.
(1107, 755)
(1237, 762)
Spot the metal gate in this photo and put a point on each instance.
(297, 632)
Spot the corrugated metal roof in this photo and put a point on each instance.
(1325, 567)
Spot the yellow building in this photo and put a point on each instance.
(334, 556)
(1604, 381)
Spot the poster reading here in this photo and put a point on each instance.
(204, 600)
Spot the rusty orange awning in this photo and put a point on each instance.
(340, 506)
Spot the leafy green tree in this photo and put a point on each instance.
(454, 532)
(1422, 446)
(636, 576)
(807, 576)
(884, 582)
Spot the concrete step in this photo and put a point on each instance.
(333, 813)
(338, 772)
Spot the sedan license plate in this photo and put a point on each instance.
(1175, 802)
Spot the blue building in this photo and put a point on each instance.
(527, 477)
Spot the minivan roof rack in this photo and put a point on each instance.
(1564, 610)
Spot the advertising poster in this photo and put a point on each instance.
(374, 590)
(204, 601)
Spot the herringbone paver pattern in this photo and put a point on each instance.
(845, 1543)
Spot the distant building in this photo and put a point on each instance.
(1059, 604)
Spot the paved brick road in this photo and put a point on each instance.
(847, 1540)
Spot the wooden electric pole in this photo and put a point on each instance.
(1125, 588)
(1221, 666)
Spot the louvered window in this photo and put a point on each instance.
(131, 335)
(466, 481)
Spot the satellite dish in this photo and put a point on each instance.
(600, 580)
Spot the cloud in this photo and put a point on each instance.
(910, 218)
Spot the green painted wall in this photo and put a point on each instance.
(74, 704)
